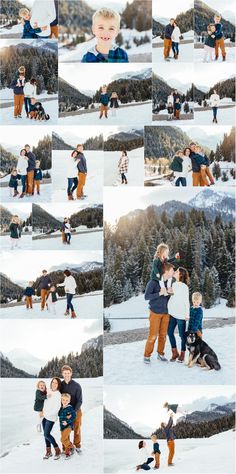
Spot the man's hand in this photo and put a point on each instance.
(64, 423)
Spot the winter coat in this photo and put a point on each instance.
(13, 180)
(30, 90)
(186, 167)
(195, 319)
(29, 31)
(115, 55)
(31, 161)
(170, 99)
(14, 230)
(29, 291)
(52, 297)
(22, 165)
(176, 34)
(219, 31)
(75, 391)
(143, 456)
(67, 414)
(178, 305)
(38, 175)
(114, 103)
(39, 400)
(173, 407)
(71, 168)
(66, 228)
(156, 448)
(18, 86)
(175, 97)
(44, 282)
(197, 160)
(214, 100)
(170, 109)
(169, 430)
(52, 406)
(104, 99)
(43, 15)
(82, 164)
(177, 106)
(168, 31)
(177, 164)
(209, 41)
(157, 304)
(123, 164)
(69, 284)
(157, 267)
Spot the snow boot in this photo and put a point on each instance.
(181, 357)
(73, 315)
(57, 454)
(70, 197)
(78, 450)
(21, 195)
(146, 360)
(224, 58)
(15, 193)
(66, 313)
(48, 453)
(161, 357)
(175, 355)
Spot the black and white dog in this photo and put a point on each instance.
(200, 353)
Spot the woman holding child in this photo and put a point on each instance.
(22, 166)
(51, 407)
(72, 173)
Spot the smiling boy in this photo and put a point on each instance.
(105, 27)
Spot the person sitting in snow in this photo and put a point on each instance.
(29, 31)
(105, 27)
(144, 457)
(196, 314)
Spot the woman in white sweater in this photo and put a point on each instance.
(30, 91)
(43, 13)
(175, 40)
(70, 285)
(144, 458)
(51, 407)
(22, 166)
(178, 309)
(214, 103)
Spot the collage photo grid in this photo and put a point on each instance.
(117, 300)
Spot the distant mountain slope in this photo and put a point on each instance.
(124, 140)
(205, 15)
(42, 219)
(71, 97)
(164, 141)
(5, 215)
(9, 290)
(114, 428)
(184, 21)
(8, 370)
(59, 144)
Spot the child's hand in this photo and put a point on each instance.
(43, 28)
(64, 423)
(170, 291)
(162, 291)
(35, 25)
(68, 417)
(41, 414)
(203, 167)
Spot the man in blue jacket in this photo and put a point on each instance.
(30, 170)
(159, 317)
(219, 37)
(197, 161)
(167, 39)
(72, 387)
(82, 171)
(170, 437)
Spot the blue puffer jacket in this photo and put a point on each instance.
(195, 319)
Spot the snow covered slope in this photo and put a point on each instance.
(86, 241)
(51, 108)
(45, 195)
(25, 243)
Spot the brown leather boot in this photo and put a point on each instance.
(73, 315)
(66, 313)
(181, 357)
(57, 453)
(48, 453)
(175, 355)
(70, 197)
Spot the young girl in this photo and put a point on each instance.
(123, 166)
(178, 309)
(210, 42)
(160, 258)
(181, 166)
(52, 299)
(15, 232)
(22, 166)
(144, 457)
(13, 183)
(40, 397)
(114, 103)
(72, 173)
(67, 230)
(175, 40)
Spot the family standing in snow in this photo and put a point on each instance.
(192, 160)
(76, 174)
(27, 173)
(61, 402)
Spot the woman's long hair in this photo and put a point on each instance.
(184, 276)
(140, 444)
(58, 383)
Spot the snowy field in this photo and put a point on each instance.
(198, 455)
(137, 307)
(44, 196)
(87, 306)
(135, 372)
(185, 54)
(7, 115)
(230, 55)
(94, 182)
(163, 121)
(24, 447)
(130, 115)
(25, 243)
(225, 116)
(87, 241)
(14, 32)
(135, 175)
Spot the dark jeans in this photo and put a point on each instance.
(123, 177)
(69, 298)
(27, 102)
(181, 181)
(181, 323)
(146, 466)
(175, 47)
(47, 428)
(72, 185)
(67, 237)
(23, 182)
(214, 110)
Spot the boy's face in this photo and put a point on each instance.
(42, 387)
(80, 148)
(26, 16)
(104, 89)
(21, 76)
(37, 164)
(212, 29)
(196, 302)
(65, 402)
(105, 30)
(217, 19)
(53, 288)
(14, 173)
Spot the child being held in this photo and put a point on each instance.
(156, 451)
(160, 258)
(40, 397)
(210, 42)
(170, 110)
(13, 182)
(105, 27)
(28, 293)
(67, 416)
(52, 299)
(38, 176)
(196, 314)
(28, 30)
(181, 167)
(144, 458)
(205, 170)
(174, 409)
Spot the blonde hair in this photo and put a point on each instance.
(21, 70)
(66, 367)
(66, 395)
(160, 250)
(197, 296)
(39, 382)
(217, 15)
(106, 13)
(23, 12)
(15, 219)
(154, 436)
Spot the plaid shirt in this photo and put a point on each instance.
(123, 164)
(29, 32)
(115, 55)
(195, 320)
(67, 414)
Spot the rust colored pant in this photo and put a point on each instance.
(158, 326)
(30, 182)
(103, 110)
(44, 294)
(18, 104)
(81, 184)
(77, 429)
(206, 173)
(177, 114)
(157, 460)
(220, 44)
(171, 446)
(197, 179)
(54, 31)
(37, 185)
(167, 47)
(29, 302)
(65, 439)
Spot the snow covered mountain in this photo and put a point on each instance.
(79, 268)
(94, 343)
(206, 140)
(180, 86)
(134, 75)
(23, 360)
(215, 201)
(114, 428)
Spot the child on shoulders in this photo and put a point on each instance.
(160, 258)
(196, 314)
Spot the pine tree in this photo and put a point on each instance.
(208, 289)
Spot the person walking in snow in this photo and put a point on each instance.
(123, 167)
(214, 103)
(70, 285)
(175, 37)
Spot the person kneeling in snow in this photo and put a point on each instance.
(37, 112)
(144, 458)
